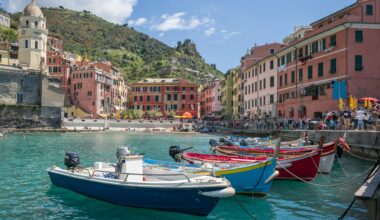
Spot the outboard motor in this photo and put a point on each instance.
(229, 143)
(213, 142)
(72, 160)
(222, 140)
(243, 143)
(174, 151)
(122, 151)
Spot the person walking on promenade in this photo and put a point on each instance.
(346, 119)
(360, 119)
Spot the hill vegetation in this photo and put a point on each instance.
(136, 54)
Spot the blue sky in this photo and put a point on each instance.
(222, 29)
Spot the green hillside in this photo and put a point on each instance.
(136, 54)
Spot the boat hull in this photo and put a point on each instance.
(185, 200)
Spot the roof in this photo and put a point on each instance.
(335, 13)
(33, 10)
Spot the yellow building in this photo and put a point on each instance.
(4, 54)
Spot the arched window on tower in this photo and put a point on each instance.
(26, 44)
(36, 24)
(27, 23)
(36, 44)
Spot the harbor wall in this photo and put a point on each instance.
(30, 116)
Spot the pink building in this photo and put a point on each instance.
(260, 81)
(338, 57)
(212, 97)
(98, 89)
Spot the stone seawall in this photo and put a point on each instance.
(29, 116)
(364, 142)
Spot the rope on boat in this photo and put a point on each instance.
(359, 157)
(341, 165)
(328, 185)
(374, 169)
(244, 209)
(319, 171)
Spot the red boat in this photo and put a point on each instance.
(325, 164)
(293, 167)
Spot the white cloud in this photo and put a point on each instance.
(223, 31)
(137, 22)
(161, 34)
(178, 21)
(116, 11)
(228, 35)
(210, 31)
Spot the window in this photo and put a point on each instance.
(36, 44)
(358, 62)
(320, 69)
(148, 98)
(300, 53)
(175, 97)
(264, 83)
(293, 77)
(333, 66)
(183, 88)
(271, 99)
(89, 93)
(271, 64)
(324, 44)
(183, 106)
(36, 23)
(156, 98)
(272, 51)
(135, 99)
(169, 97)
(280, 80)
(286, 79)
(26, 44)
(359, 36)
(141, 98)
(272, 81)
(333, 41)
(310, 72)
(148, 107)
(264, 65)
(27, 23)
(183, 97)
(369, 9)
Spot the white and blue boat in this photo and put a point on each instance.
(254, 178)
(129, 183)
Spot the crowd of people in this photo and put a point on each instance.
(359, 119)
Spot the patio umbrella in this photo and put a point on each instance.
(187, 115)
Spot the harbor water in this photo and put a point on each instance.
(26, 191)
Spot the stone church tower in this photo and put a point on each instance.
(32, 39)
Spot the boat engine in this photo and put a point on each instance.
(72, 160)
(243, 143)
(122, 151)
(213, 143)
(175, 152)
(229, 143)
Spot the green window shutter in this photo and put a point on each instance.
(300, 53)
(320, 69)
(300, 75)
(293, 76)
(280, 80)
(333, 66)
(359, 36)
(286, 79)
(310, 72)
(324, 44)
(369, 9)
(333, 41)
(358, 62)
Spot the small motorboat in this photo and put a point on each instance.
(130, 183)
(254, 177)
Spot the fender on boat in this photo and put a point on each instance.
(271, 177)
(344, 144)
(223, 193)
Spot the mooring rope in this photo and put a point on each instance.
(359, 157)
(244, 209)
(328, 185)
(341, 165)
(319, 171)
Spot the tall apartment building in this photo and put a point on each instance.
(259, 77)
(227, 92)
(165, 95)
(338, 57)
(213, 99)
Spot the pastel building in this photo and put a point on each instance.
(236, 93)
(259, 77)
(170, 96)
(227, 91)
(213, 98)
(338, 57)
(5, 21)
(95, 88)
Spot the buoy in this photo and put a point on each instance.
(271, 177)
(344, 144)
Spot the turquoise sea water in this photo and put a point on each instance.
(26, 191)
